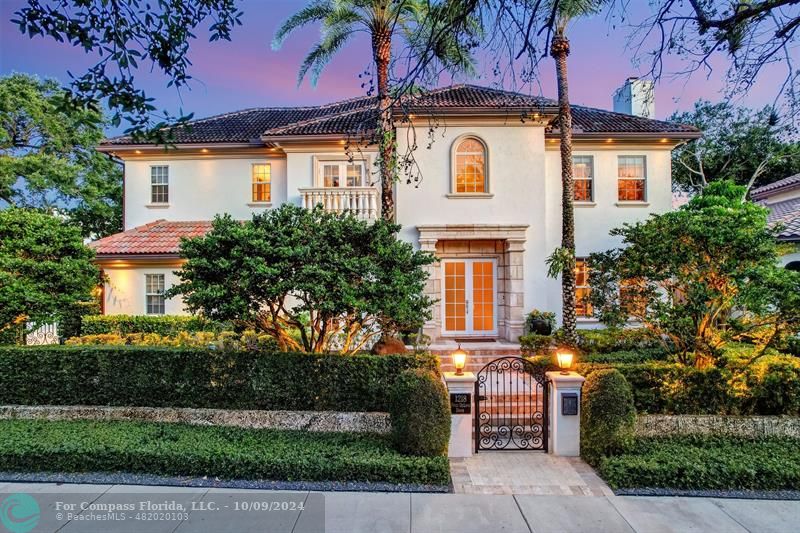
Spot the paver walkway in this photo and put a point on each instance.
(215, 511)
(523, 472)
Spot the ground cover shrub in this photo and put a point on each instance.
(607, 414)
(696, 462)
(196, 377)
(225, 452)
(166, 325)
(608, 340)
(419, 410)
(626, 356)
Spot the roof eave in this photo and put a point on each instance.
(676, 135)
(134, 256)
(179, 146)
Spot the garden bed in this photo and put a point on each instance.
(705, 463)
(224, 452)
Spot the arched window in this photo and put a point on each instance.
(469, 167)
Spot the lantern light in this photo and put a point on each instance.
(459, 360)
(564, 361)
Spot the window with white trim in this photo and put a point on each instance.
(334, 174)
(262, 182)
(583, 177)
(159, 184)
(632, 177)
(470, 167)
(154, 294)
(583, 308)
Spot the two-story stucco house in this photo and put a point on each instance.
(488, 202)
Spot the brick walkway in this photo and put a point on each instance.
(519, 472)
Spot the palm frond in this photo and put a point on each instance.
(316, 11)
(323, 52)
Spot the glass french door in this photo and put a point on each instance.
(470, 297)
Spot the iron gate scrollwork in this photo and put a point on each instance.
(511, 413)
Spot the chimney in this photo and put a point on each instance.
(636, 97)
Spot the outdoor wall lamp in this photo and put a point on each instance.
(459, 360)
(564, 359)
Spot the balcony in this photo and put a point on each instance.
(362, 202)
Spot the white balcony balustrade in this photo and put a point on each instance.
(360, 201)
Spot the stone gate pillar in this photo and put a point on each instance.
(461, 390)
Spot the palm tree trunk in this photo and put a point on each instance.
(559, 49)
(382, 50)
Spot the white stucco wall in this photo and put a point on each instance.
(199, 187)
(125, 290)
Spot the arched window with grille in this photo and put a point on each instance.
(470, 168)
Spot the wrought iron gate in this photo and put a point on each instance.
(511, 411)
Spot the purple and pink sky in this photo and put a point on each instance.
(247, 73)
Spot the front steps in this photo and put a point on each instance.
(479, 354)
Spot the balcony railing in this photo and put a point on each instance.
(360, 201)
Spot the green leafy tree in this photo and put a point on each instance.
(48, 158)
(693, 274)
(426, 28)
(334, 281)
(44, 268)
(751, 148)
(122, 34)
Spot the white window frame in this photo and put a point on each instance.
(470, 330)
(642, 179)
(590, 179)
(153, 184)
(587, 287)
(342, 165)
(253, 183)
(149, 294)
(487, 187)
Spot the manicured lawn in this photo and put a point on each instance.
(693, 462)
(228, 453)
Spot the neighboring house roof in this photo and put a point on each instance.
(786, 213)
(357, 116)
(776, 187)
(159, 237)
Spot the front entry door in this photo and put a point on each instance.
(470, 297)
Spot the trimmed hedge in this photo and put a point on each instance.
(693, 462)
(196, 377)
(607, 414)
(225, 452)
(769, 386)
(71, 320)
(419, 409)
(167, 325)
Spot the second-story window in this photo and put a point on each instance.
(342, 173)
(470, 167)
(583, 174)
(262, 182)
(631, 178)
(159, 184)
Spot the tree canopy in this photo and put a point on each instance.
(749, 147)
(44, 268)
(48, 158)
(313, 280)
(698, 275)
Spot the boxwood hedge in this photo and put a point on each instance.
(166, 325)
(231, 453)
(196, 377)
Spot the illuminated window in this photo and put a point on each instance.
(582, 306)
(583, 174)
(154, 294)
(630, 298)
(262, 182)
(470, 167)
(159, 184)
(342, 173)
(631, 178)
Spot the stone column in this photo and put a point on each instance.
(433, 289)
(565, 413)
(462, 408)
(515, 288)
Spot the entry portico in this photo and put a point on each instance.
(478, 282)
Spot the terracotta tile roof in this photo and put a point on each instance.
(775, 187)
(357, 117)
(159, 237)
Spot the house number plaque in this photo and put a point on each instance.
(460, 403)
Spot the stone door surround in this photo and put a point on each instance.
(506, 242)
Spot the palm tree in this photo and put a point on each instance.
(420, 22)
(566, 11)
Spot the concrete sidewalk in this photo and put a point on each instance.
(220, 510)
